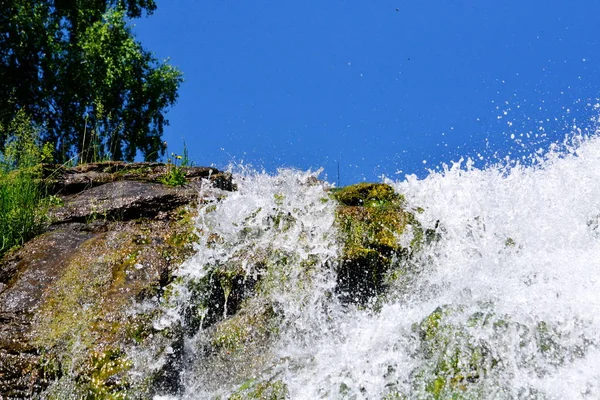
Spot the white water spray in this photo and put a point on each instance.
(504, 305)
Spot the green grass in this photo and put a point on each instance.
(23, 200)
(22, 193)
(21, 206)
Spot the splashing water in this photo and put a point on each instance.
(276, 228)
(504, 304)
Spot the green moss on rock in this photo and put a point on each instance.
(251, 325)
(459, 357)
(371, 219)
(367, 194)
(83, 325)
(455, 361)
(253, 390)
(104, 375)
(217, 295)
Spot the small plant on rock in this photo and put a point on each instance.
(175, 176)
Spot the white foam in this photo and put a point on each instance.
(520, 244)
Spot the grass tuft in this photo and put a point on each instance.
(22, 193)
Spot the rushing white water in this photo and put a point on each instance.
(506, 304)
(285, 222)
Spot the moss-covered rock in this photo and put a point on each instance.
(454, 361)
(81, 334)
(231, 309)
(253, 324)
(66, 297)
(453, 357)
(253, 390)
(237, 348)
(366, 194)
(215, 296)
(83, 321)
(461, 352)
(371, 218)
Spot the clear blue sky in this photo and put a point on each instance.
(379, 86)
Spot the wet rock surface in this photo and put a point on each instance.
(371, 218)
(113, 240)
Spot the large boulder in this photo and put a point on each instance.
(113, 240)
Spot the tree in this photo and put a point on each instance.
(75, 68)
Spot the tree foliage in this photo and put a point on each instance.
(75, 68)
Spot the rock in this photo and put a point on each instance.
(371, 219)
(455, 359)
(221, 294)
(239, 345)
(121, 201)
(253, 389)
(20, 377)
(458, 353)
(64, 181)
(30, 271)
(66, 296)
(363, 194)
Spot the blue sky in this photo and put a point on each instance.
(378, 86)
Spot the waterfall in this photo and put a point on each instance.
(503, 303)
